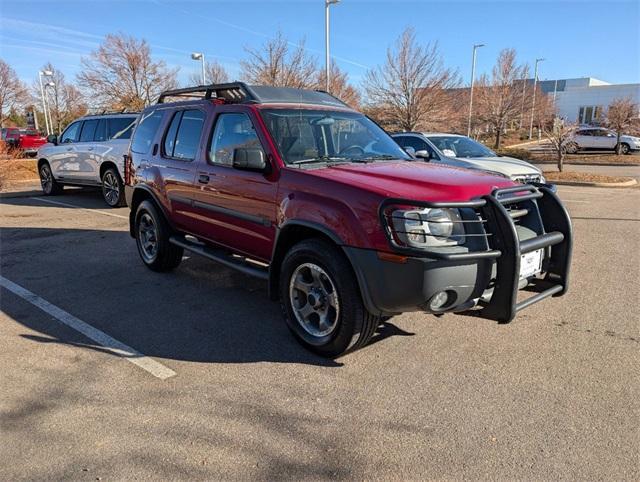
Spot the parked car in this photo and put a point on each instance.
(461, 151)
(25, 140)
(598, 138)
(90, 152)
(294, 187)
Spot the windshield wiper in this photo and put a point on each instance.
(318, 159)
(380, 157)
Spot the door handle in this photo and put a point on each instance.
(203, 178)
(89, 148)
(69, 149)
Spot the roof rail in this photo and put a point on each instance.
(105, 112)
(241, 93)
(237, 92)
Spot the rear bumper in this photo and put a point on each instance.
(488, 277)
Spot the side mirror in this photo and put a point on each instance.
(423, 154)
(249, 159)
(52, 139)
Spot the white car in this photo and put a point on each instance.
(461, 151)
(598, 138)
(90, 152)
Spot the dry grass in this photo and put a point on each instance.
(16, 170)
(583, 177)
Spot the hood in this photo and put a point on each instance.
(625, 137)
(508, 166)
(420, 181)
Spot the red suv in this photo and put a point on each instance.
(296, 188)
(27, 141)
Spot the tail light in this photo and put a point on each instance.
(127, 169)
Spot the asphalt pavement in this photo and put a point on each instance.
(193, 374)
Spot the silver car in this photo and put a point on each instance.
(90, 152)
(598, 138)
(461, 151)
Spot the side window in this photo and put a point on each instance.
(88, 130)
(146, 131)
(420, 145)
(188, 135)
(71, 133)
(401, 140)
(170, 136)
(101, 131)
(232, 131)
(121, 127)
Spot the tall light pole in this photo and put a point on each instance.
(46, 73)
(49, 84)
(327, 60)
(533, 101)
(200, 56)
(473, 75)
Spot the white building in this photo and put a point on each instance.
(584, 100)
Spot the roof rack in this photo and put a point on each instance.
(105, 112)
(241, 93)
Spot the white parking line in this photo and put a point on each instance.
(67, 205)
(111, 344)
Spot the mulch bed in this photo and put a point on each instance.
(574, 176)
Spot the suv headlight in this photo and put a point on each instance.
(426, 227)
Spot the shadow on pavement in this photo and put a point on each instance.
(201, 312)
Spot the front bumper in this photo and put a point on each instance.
(489, 277)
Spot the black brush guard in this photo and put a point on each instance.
(557, 235)
(506, 248)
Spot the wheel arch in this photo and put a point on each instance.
(140, 194)
(106, 165)
(294, 231)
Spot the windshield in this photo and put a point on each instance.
(305, 135)
(461, 146)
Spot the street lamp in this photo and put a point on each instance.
(200, 56)
(45, 73)
(533, 101)
(49, 84)
(473, 74)
(327, 65)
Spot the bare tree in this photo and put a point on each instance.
(121, 74)
(13, 92)
(620, 115)
(65, 100)
(277, 63)
(338, 85)
(500, 96)
(410, 88)
(215, 73)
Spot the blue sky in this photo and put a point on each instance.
(578, 38)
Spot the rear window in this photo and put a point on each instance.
(121, 127)
(146, 131)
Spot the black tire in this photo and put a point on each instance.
(572, 148)
(50, 187)
(150, 223)
(625, 148)
(353, 324)
(113, 188)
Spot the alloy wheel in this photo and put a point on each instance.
(46, 179)
(110, 188)
(314, 300)
(148, 237)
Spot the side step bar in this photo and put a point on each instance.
(222, 257)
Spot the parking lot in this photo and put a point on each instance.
(194, 374)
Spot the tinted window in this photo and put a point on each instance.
(170, 137)
(71, 133)
(88, 130)
(232, 131)
(188, 136)
(121, 127)
(101, 131)
(146, 132)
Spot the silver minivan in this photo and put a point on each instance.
(90, 152)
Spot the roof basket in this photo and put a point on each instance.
(241, 93)
(233, 92)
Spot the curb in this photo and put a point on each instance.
(598, 164)
(629, 183)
